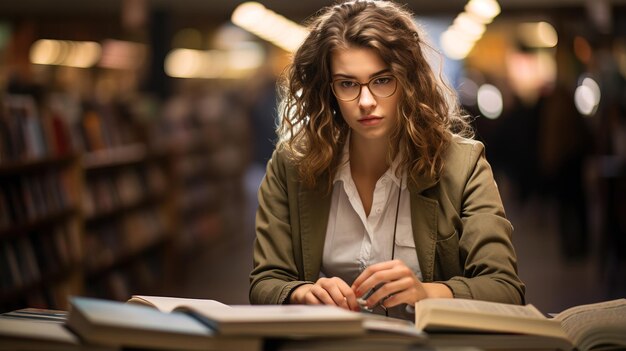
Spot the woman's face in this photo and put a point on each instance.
(371, 116)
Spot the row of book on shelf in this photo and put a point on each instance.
(58, 124)
(25, 135)
(152, 322)
(124, 187)
(25, 259)
(30, 197)
(36, 272)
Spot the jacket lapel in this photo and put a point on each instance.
(424, 224)
(314, 212)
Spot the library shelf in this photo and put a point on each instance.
(40, 240)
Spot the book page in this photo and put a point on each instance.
(483, 307)
(605, 317)
(378, 323)
(280, 313)
(168, 304)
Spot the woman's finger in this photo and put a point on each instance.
(369, 271)
(322, 295)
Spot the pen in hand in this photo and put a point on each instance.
(362, 301)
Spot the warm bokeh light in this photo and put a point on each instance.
(246, 56)
(248, 13)
(85, 54)
(183, 63)
(490, 101)
(228, 36)
(485, 10)
(455, 45)
(81, 54)
(530, 72)
(269, 26)
(45, 52)
(234, 63)
(547, 34)
(538, 35)
(468, 27)
(469, 24)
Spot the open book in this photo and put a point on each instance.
(584, 327)
(169, 304)
(262, 320)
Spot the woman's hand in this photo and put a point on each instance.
(396, 284)
(326, 291)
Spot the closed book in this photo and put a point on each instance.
(26, 334)
(113, 323)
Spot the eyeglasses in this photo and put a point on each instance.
(350, 89)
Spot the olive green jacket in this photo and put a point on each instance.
(462, 237)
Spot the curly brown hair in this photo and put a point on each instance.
(312, 129)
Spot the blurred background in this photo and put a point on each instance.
(134, 135)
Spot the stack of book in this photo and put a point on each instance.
(150, 322)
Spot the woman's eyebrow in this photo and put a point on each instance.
(343, 75)
(386, 70)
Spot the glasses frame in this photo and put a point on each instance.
(395, 88)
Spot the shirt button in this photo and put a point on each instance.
(379, 210)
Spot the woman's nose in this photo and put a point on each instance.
(366, 99)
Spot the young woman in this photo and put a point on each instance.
(373, 198)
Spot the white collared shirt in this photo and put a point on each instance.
(354, 240)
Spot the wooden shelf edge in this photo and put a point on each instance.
(42, 222)
(13, 168)
(118, 156)
(151, 200)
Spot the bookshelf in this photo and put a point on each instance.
(85, 207)
(41, 247)
(197, 203)
(127, 221)
(95, 202)
(208, 138)
(40, 232)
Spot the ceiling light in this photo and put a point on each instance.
(269, 26)
(485, 10)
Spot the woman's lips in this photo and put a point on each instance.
(370, 120)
